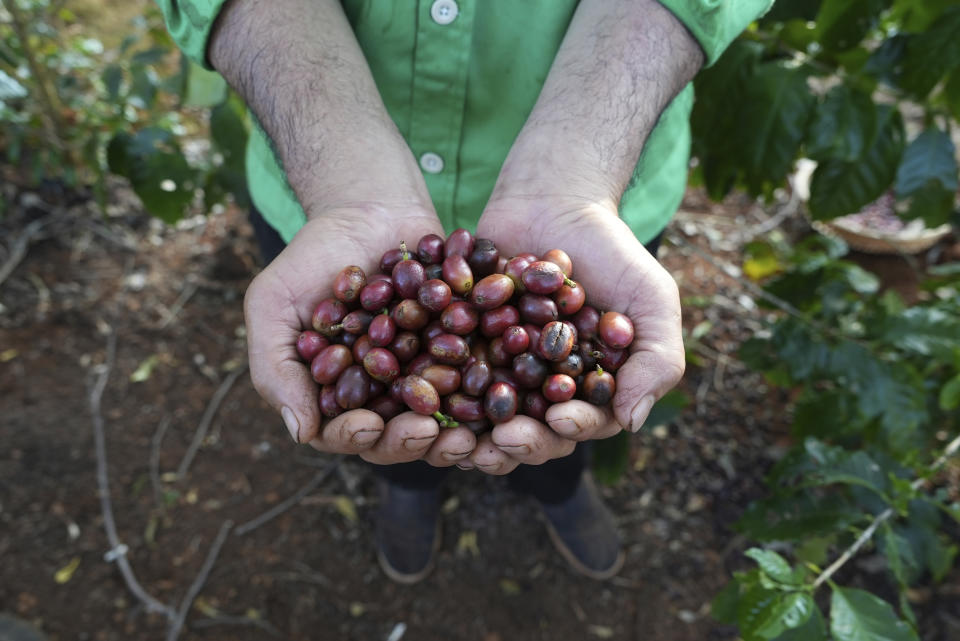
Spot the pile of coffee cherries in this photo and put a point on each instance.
(455, 331)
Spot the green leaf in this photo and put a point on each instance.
(773, 565)
(929, 157)
(949, 398)
(857, 615)
(668, 408)
(10, 88)
(150, 56)
(914, 15)
(774, 111)
(112, 79)
(926, 331)
(815, 629)
(723, 608)
(856, 468)
(840, 187)
(764, 614)
(796, 517)
(886, 61)
(932, 54)
(951, 93)
(204, 88)
(843, 126)
(842, 24)
(784, 10)
(157, 170)
(143, 87)
(932, 203)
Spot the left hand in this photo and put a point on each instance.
(618, 274)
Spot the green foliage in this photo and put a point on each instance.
(831, 80)
(75, 109)
(878, 386)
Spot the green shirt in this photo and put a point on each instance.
(451, 77)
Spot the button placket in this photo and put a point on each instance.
(444, 12)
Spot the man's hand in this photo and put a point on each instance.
(278, 306)
(618, 274)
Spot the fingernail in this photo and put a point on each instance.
(640, 413)
(466, 466)
(293, 425)
(565, 426)
(514, 450)
(454, 456)
(490, 467)
(417, 444)
(365, 437)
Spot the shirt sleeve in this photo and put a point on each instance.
(189, 23)
(716, 23)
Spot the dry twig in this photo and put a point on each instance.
(117, 550)
(282, 507)
(19, 249)
(207, 419)
(174, 631)
(155, 460)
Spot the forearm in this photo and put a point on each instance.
(620, 65)
(298, 66)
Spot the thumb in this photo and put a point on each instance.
(656, 362)
(275, 368)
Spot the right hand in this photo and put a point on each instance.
(279, 304)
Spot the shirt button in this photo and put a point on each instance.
(431, 163)
(444, 11)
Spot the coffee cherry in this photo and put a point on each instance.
(376, 295)
(348, 284)
(357, 321)
(419, 363)
(346, 339)
(449, 349)
(477, 378)
(459, 318)
(327, 366)
(495, 322)
(615, 330)
(408, 276)
(537, 309)
(504, 375)
(484, 257)
(586, 321)
(434, 295)
(390, 259)
(500, 402)
(570, 298)
(386, 407)
(515, 340)
(433, 328)
(459, 243)
(559, 388)
(360, 348)
(444, 378)
(599, 387)
(327, 316)
(433, 272)
(328, 401)
(492, 291)
(560, 258)
(572, 365)
(533, 331)
(430, 249)
(419, 395)
(309, 344)
(530, 371)
(542, 277)
(382, 330)
(457, 273)
(556, 342)
(353, 388)
(611, 359)
(411, 315)
(405, 346)
(497, 354)
(514, 269)
(463, 407)
(381, 365)
(534, 405)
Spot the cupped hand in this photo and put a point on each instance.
(278, 306)
(618, 274)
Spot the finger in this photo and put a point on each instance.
(406, 438)
(489, 458)
(581, 421)
(349, 433)
(657, 358)
(452, 445)
(275, 368)
(530, 441)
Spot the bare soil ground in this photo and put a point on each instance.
(173, 298)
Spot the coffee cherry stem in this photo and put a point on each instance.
(403, 250)
(444, 420)
(569, 283)
(599, 369)
(597, 354)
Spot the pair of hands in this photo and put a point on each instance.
(617, 272)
